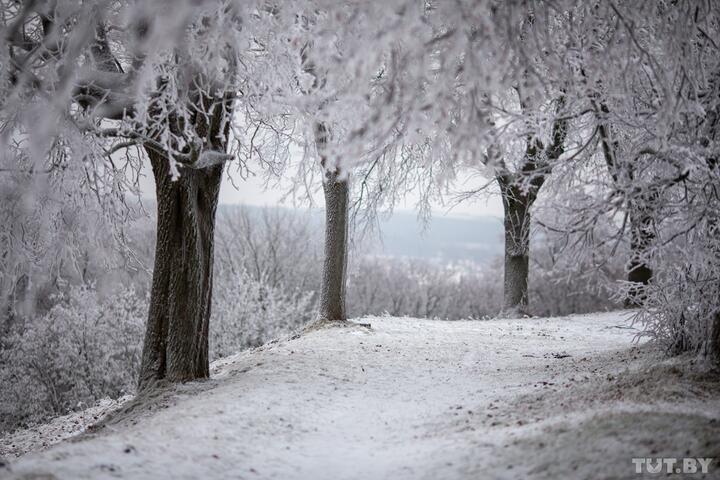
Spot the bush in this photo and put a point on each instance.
(425, 289)
(88, 346)
(564, 281)
(681, 310)
(85, 348)
(247, 313)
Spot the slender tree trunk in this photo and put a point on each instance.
(639, 272)
(517, 205)
(519, 191)
(712, 133)
(714, 341)
(332, 290)
(176, 338)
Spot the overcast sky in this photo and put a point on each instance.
(252, 192)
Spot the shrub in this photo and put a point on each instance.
(247, 313)
(85, 348)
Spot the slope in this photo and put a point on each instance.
(408, 399)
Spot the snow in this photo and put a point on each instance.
(412, 398)
(37, 437)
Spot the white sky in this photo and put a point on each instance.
(252, 192)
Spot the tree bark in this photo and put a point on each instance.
(641, 234)
(519, 191)
(176, 338)
(516, 205)
(713, 350)
(712, 133)
(332, 290)
(641, 238)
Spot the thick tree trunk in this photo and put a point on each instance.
(332, 290)
(517, 205)
(176, 338)
(639, 272)
(176, 335)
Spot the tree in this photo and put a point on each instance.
(176, 339)
(641, 216)
(648, 76)
(349, 109)
(336, 190)
(519, 191)
(522, 124)
(126, 75)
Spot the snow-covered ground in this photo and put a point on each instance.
(553, 398)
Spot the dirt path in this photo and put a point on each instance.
(411, 399)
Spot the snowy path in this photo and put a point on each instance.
(409, 399)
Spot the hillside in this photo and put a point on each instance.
(409, 399)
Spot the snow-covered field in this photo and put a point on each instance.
(410, 399)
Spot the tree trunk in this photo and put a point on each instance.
(516, 204)
(639, 272)
(332, 290)
(714, 341)
(176, 338)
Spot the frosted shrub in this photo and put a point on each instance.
(681, 310)
(573, 278)
(88, 346)
(266, 273)
(419, 288)
(247, 313)
(84, 349)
